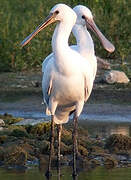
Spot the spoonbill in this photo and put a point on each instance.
(85, 47)
(68, 79)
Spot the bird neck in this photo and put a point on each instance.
(84, 41)
(60, 38)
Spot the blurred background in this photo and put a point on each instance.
(18, 18)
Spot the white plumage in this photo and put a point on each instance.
(87, 64)
(68, 72)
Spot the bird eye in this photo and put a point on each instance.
(57, 12)
(83, 17)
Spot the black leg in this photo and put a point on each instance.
(75, 148)
(59, 131)
(48, 172)
(75, 178)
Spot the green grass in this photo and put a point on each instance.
(18, 18)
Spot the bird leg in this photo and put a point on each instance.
(48, 172)
(75, 147)
(59, 131)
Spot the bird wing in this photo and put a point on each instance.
(85, 89)
(46, 95)
(47, 78)
(47, 90)
(88, 79)
(46, 60)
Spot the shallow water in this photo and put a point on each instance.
(97, 125)
(95, 116)
(99, 173)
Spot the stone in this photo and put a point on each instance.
(113, 76)
(1, 128)
(110, 162)
(83, 151)
(2, 123)
(15, 155)
(117, 143)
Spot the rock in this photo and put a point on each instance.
(118, 143)
(110, 162)
(113, 76)
(82, 150)
(1, 128)
(102, 64)
(2, 123)
(9, 119)
(27, 147)
(15, 155)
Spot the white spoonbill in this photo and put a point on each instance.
(67, 83)
(85, 45)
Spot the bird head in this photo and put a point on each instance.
(85, 18)
(59, 12)
(82, 12)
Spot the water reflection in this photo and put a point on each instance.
(59, 176)
(105, 129)
(99, 173)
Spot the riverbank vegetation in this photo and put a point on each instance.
(19, 18)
